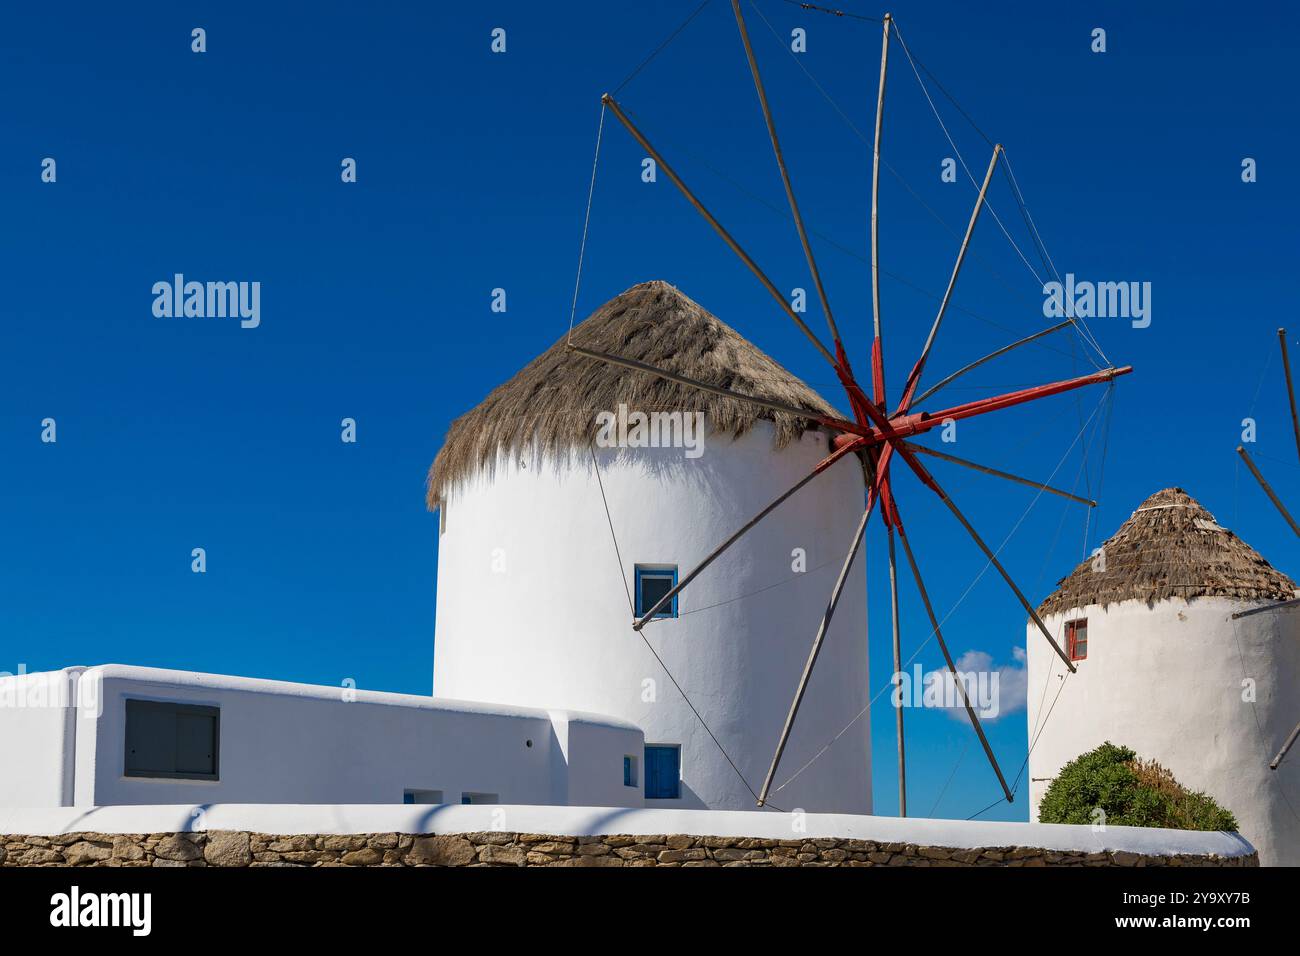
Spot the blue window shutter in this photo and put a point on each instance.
(662, 772)
(652, 582)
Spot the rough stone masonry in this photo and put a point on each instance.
(235, 848)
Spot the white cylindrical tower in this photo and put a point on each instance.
(549, 540)
(1165, 669)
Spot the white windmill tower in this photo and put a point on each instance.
(1176, 659)
(535, 577)
(527, 496)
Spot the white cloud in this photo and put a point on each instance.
(995, 691)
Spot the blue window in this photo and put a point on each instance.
(421, 797)
(629, 771)
(653, 581)
(663, 771)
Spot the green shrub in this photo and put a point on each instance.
(1132, 792)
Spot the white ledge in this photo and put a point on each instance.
(595, 821)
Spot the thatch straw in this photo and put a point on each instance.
(1171, 548)
(552, 403)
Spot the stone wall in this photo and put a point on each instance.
(236, 848)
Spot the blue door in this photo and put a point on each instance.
(663, 772)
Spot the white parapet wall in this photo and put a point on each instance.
(598, 821)
(37, 738)
(63, 741)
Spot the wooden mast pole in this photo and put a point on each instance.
(952, 668)
(898, 669)
(879, 397)
(1268, 490)
(877, 347)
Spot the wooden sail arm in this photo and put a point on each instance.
(905, 426)
(717, 552)
(838, 424)
(992, 355)
(997, 565)
(1267, 607)
(785, 176)
(1277, 761)
(922, 449)
(1268, 490)
(717, 227)
(914, 378)
(893, 432)
(883, 431)
(1290, 389)
(947, 657)
(818, 640)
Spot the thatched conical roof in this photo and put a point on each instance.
(554, 399)
(1171, 548)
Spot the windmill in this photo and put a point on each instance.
(1277, 503)
(875, 433)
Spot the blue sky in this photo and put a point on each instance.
(473, 170)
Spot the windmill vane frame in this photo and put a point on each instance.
(1277, 503)
(874, 434)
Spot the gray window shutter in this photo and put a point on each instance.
(165, 739)
(195, 743)
(150, 739)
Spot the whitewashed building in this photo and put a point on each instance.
(543, 693)
(114, 735)
(1167, 669)
(551, 543)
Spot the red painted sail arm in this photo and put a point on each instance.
(907, 425)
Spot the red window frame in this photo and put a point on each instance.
(1076, 639)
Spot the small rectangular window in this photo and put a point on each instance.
(421, 797)
(629, 771)
(653, 581)
(663, 771)
(178, 741)
(474, 798)
(1076, 639)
